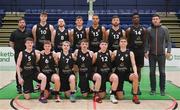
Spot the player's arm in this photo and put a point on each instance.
(53, 37)
(69, 34)
(72, 36)
(75, 54)
(52, 30)
(113, 55)
(34, 33)
(123, 33)
(94, 58)
(133, 63)
(107, 35)
(18, 68)
(127, 33)
(91, 53)
(104, 33)
(57, 57)
(87, 33)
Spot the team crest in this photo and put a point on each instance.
(46, 28)
(87, 55)
(126, 55)
(107, 53)
(50, 57)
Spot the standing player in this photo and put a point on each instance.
(125, 69)
(60, 35)
(42, 31)
(67, 77)
(102, 60)
(27, 72)
(114, 34)
(95, 34)
(83, 58)
(78, 33)
(136, 42)
(16, 41)
(46, 63)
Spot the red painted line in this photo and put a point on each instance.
(20, 105)
(94, 105)
(173, 104)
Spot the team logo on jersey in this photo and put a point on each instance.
(107, 53)
(87, 55)
(32, 54)
(25, 55)
(69, 57)
(66, 33)
(50, 57)
(46, 61)
(46, 28)
(39, 28)
(119, 33)
(126, 55)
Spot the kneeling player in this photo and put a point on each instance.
(83, 58)
(102, 60)
(47, 67)
(67, 77)
(27, 72)
(125, 69)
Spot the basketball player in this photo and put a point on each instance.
(125, 69)
(42, 31)
(16, 41)
(67, 77)
(102, 60)
(114, 34)
(83, 58)
(78, 33)
(60, 35)
(95, 34)
(136, 42)
(46, 63)
(27, 72)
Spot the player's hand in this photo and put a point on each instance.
(146, 55)
(168, 56)
(20, 80)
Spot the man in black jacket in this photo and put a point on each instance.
(156, 41)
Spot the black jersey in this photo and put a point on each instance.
(65, 64)
(47, 63)
(113, 39)
(84, 61)
(95, 36)
(103, 62)
(122, 61)
(136, 38)
(42, 33)
(28, 61)
(78, 36)
(60, 37)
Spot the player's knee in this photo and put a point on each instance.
(42, 76)
(56, 78)
(114, 78)
(97, 77)
(72, 78)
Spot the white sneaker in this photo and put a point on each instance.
(113, 99)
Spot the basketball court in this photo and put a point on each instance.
(9, 99)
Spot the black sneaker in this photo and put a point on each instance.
(152, 93)
(162, 93)
(42, 99)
